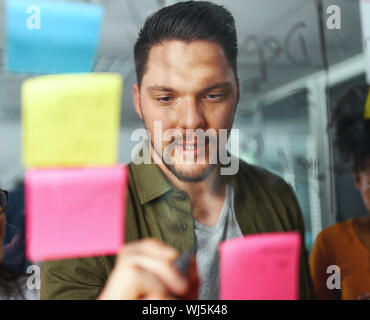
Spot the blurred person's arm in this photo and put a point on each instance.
(319, 262)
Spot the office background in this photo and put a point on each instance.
(292, 68)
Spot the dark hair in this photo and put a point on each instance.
(9, 282)
(187, 21)
(352, 130)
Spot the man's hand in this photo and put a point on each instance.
(145, 270)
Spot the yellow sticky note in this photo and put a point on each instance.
(71, 120)
(367, 107)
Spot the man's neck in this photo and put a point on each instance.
(206, 196)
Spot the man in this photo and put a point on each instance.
(186, 65)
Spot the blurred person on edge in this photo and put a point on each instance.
(187, 79)
(13, 282)
(347, 244)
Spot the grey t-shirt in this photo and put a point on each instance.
(207, 240)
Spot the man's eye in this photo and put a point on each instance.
(214, 96)
(164, 99)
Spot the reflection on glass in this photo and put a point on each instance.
(278, 137)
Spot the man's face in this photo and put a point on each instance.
(187, 87)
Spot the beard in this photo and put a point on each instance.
(180, 172)
(186, 175)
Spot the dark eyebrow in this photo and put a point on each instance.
(169, 89)
(217, 86)
(160, 88)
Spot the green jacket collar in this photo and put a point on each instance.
(149, 178)
(151, 181)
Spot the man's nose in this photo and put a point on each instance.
(191, 115)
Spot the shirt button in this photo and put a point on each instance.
(182, 197)
(183, 226)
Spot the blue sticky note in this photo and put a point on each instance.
(51, 37)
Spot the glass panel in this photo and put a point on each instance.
(345, 42)
(277, 136)
(279, 43)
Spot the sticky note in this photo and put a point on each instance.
(367, 106)
(51, 36)
(260, 267)
(365, 22)
(74, 212)
(71, 120)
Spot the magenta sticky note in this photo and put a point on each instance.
(77, 212)
(260, 267)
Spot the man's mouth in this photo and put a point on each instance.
(190, 149)
(187, 146)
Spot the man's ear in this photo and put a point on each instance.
(137, 104)
(356, 179)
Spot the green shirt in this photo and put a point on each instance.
(263, 203)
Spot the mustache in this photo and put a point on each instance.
(194, 140)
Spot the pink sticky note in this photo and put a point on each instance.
(75, 212)
(260, 267)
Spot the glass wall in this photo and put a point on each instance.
(279, 137)
(286, 95)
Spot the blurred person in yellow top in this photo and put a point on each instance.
(344, 248)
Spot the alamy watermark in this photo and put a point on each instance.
(34, 20)
(34, 278)
(334, 20)
(334, 280)
(197, 146)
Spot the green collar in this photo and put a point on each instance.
(151, 181)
